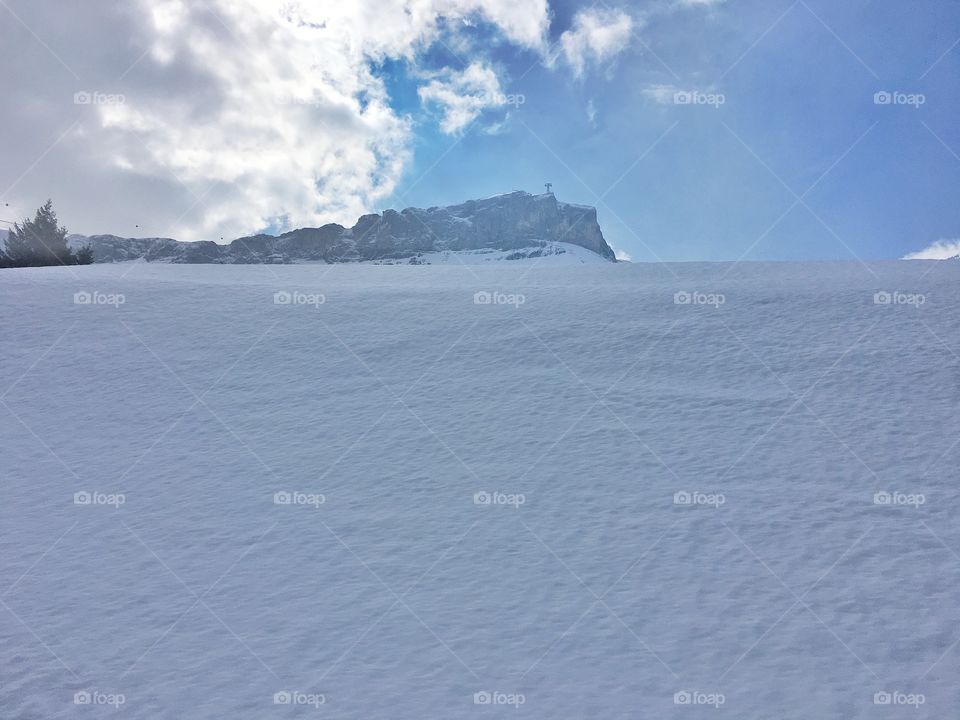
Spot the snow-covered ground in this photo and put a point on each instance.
(486, 492)
(552, 253)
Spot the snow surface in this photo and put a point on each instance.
(552, 253)
(597, 398)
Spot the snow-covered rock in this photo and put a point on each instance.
(518, 223)
(542, 253)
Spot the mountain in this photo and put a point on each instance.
(517, 221)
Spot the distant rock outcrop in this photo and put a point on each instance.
(503, 222)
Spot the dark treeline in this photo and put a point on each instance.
(41, 242)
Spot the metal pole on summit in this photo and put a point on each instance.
(548, 186)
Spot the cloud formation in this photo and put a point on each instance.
(216, 119)
(275, 120)
(463, 96)
(661, 93)
(597, 35)
(940, 250)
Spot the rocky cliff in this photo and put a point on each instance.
(503, 222)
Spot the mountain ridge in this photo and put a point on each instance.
(512, 221)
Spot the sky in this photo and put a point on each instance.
(700, 129)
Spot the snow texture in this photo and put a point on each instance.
(579, 400)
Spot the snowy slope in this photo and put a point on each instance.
(550, 254)
(578, 400)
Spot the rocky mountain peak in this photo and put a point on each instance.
(511, 221)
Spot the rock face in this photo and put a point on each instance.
(504, 222)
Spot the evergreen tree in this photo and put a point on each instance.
(84, 255)
(5, 261)
(41, 242)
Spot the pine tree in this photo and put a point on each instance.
(84, 255)
(40, 241)
(5, 261)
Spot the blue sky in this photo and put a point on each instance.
(166, 118)
(798, 119)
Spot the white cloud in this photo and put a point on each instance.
(591, 113)
(278, 120)
(940, 250)
(662, 94)
(622, 255)
(699, 3)
(597, 35)
(463, 96)
(524, 22)
(239, 114)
